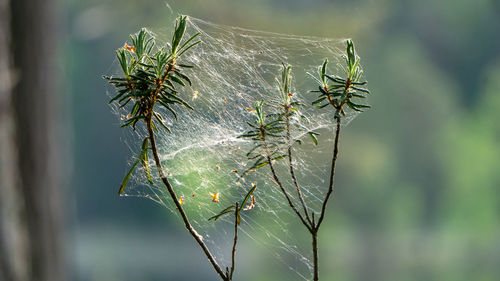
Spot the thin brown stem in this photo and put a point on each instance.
(198, 238)
(236, 218)
(278, 182)
(332, 175)
(292, 172)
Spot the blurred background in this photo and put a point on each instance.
(417, 194)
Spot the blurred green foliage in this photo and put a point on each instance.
(422, 204)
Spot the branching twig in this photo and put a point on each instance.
(334, 91)
(149, 77)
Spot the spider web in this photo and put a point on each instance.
(234, 68)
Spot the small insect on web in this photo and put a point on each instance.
(205, 157)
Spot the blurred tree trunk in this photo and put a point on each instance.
(30, 197)
(13, 235)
